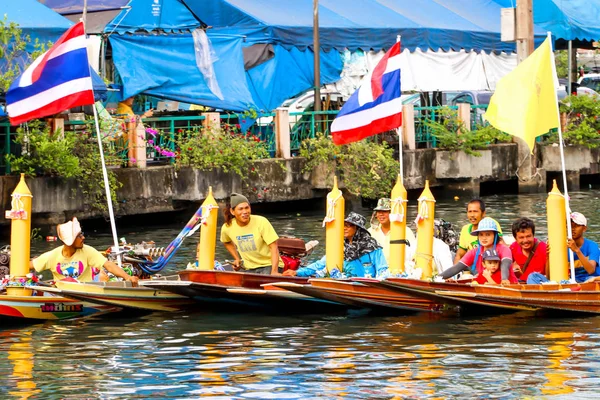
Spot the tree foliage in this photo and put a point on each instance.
(14, 57)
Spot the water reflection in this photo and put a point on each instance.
(202, 353)
(21, 356)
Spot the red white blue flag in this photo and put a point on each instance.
(375, 107)
(57, 80)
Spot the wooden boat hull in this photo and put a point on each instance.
(358, 295)
(243, 289)
(48, 307)
(121, 294)
(446, 293)
(579, 298)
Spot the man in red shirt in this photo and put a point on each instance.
(529, 254)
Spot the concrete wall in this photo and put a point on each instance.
(163, 189)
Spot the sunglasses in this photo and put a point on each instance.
(81, 235)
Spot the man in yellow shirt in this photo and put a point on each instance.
(466, 242)
(250, 238)
(75, 259)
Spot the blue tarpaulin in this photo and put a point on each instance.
(165, 66)
(45, 25)
(76, 6)
(289, 73)
(146, 15)
(566, 19)
(35, 20)
(361, 24)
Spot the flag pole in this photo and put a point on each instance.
(399, 132)
(564, 171)
(111, 214)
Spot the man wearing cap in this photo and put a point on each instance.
(585, 253)
(363, 256)
(75, 259)
(466, 241)
(250, 239)
(381, 231)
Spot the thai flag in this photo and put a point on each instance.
(375, 107)
(57, 80)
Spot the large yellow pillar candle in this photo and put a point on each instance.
(208, 233)
(398, 228)
(557, 235)
(334, 229)
(20, 229)
(425, 224)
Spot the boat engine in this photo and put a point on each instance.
(292, 250)
(4, 261)
(133, 255)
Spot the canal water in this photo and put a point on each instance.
(221, 354)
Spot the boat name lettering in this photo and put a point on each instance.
(61, 307)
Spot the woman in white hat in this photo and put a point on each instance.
(74, 259)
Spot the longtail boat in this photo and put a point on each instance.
(48, 307)
(445, 292)
(120, 294)
(356, 294)
(245, 289)
(572, 297)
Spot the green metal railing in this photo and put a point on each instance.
(6, 138)
(307, 124)
(161, 132)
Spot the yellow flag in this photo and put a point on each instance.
(525, 103)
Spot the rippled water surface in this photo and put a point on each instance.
(221, 354)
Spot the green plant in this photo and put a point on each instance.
(583, 125)
(13, 52)
(561, 58)
(451, 134)
(223, 148)
(72, 155)
(368, 169)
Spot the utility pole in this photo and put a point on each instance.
(317, 55)
(524, 29)
(530, 181)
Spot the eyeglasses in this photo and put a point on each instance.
(80, 235)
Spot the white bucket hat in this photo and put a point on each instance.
(68, 231)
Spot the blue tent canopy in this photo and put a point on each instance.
(567, 20)
(76, 6)
(167, 15)
(45, 25)
(361, 24)
(35, 20)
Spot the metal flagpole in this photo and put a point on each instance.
(561, 145)
(399, 132)
(109, 204)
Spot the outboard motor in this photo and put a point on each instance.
(4, 262)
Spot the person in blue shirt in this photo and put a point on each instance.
(363, 256)
(586, 253)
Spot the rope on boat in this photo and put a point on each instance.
(330, 214)
(397, 209)
(423, 209)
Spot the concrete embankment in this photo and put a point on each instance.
(164, 189)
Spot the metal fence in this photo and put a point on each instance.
(161, 132)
